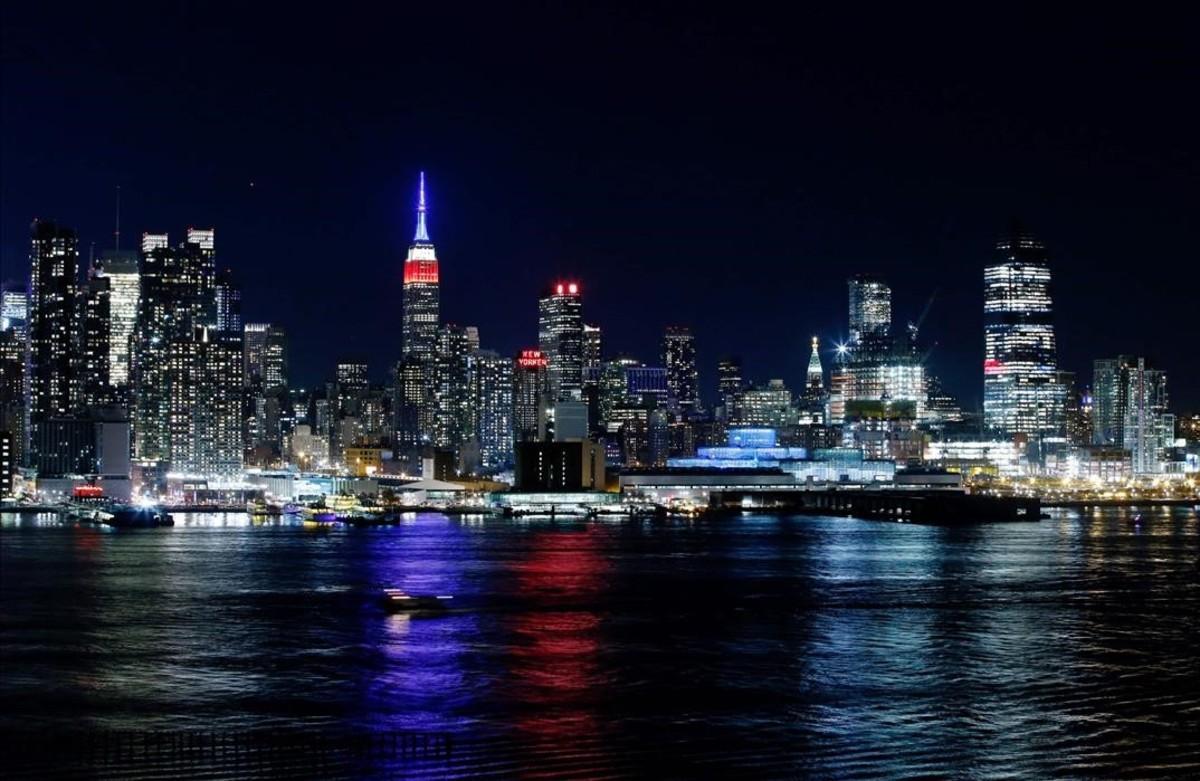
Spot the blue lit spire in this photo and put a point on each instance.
(422, 231)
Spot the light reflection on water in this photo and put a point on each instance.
(758, 645)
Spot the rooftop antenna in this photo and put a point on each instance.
(117, 231)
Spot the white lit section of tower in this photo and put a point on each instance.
(1020, 395)
(421, 291)
(815, 379)
(560, 337)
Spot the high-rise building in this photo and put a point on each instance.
(593, 347)
(679, 357)
(730, 384)
(14, 310)
(266, 357)
(560, 337)
(451, 423)
(412, 405)
(421, 290)
(1020, 359)
(12, 389)
(531, 395)
(1110, 386)
(171, 342)
(1146, 406)
(96, 342)
(207, 414)
(228, 302)
(120, 268)
(870, 309)
(491, 406)
(765, 407)
(54, 361)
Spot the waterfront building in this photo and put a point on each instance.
(412, 405)
(560, 466)
(204, 376)
(1020, 395)
(883, 430)
(12, 389)
(492, 384)
(1146, 407)
(307, 449)
(54, 325)
(996, 457)
(120, 268)
(177, 298)
(560, 338)
(421, 290)
(1110, 401)
(8, 463)
(679, 358)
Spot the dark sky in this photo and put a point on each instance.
(725, 169)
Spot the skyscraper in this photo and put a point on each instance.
(679, 357)
(176, 300)
(97, 341)
(1110, 388)
(228, 302)
(451, 423)
(531, 395)
(206, 403)
(54, 381)
(266, 362)
(421, 297)
(491, 406)
(1145, 406)
(875, 366)
(1019, 392)
(560, 337)
(730, 384)
(120, 268)
(593, 347)
(870, 309)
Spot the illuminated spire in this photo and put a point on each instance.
(422, 231)
(815, 373)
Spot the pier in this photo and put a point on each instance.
(945, 508)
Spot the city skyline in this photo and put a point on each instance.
(649, 226)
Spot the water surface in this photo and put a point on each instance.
(747, 646)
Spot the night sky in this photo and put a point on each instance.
(724, 170)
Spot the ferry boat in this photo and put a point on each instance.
(398, 601)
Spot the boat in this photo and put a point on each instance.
(138, 518)
(398, 601)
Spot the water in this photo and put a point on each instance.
(754, 646)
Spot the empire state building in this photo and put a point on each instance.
(421, 291)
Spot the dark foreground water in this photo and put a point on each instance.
(751, 646)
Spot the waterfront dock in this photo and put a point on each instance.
(942, 508)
